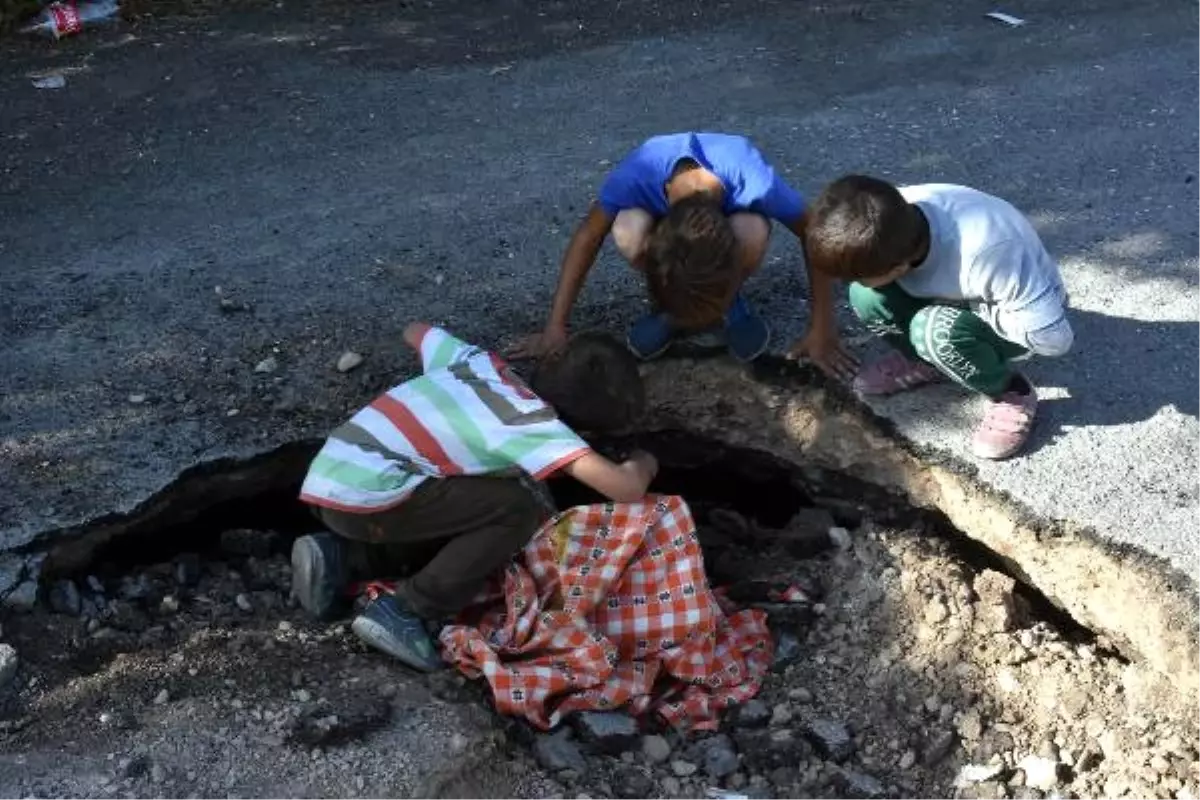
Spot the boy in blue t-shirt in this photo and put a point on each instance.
(692, 212)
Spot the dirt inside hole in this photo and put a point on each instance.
(175, 665)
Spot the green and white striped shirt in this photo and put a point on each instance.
(466, 415)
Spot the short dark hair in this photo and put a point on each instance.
(691, 266)
(594, 384)
(860, 227)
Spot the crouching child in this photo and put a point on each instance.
(957, 281)
(448, 461)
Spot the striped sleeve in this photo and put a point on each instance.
(543, 448)
(440, 349)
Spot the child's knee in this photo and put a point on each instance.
(753, 234)
(1053, 340)
(630, 233)
(938, 330)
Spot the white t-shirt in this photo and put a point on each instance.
(983, 252)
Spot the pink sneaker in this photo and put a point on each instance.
(894, 373)
(1005, 426)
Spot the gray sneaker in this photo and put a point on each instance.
(319, 574)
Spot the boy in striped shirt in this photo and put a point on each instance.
(443, 460)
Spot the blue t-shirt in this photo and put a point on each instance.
(751, 184)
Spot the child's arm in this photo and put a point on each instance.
(436, 347)
(414, 332)
(577, 262)
(626, 482)
(821, 342)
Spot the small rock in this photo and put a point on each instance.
(65, 599)
(137, 399)
(787, 651)
(996, 611)
(302, 695)
(936, 612)
(670, 786)
(831, 738)
(169, 604)
(8, 664)
(970, 725)
(977, 773)
(360, 783)
(556, 751)
(162, 698)
(1040, 772)
(939, 747)
(908, 759)
(800, 695)
(243, 603)
(267, 365)
(683, 769)
(95, 585)
(187, 569)
(781, 714)
(610, 732)
(840, 537)
(656, 748)
(859, 784)
(753, 714)
(157, 773)
(24, 597)
(719, 756)
(348, 361)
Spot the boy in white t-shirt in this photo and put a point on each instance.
(956, 280)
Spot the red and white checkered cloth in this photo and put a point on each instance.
(609, 605)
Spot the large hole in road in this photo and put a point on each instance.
(920, 668)
(711, 475)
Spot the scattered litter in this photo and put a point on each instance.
(67, 18)
(1007, 19)
(50, 82)
(500, 69)
(723, 794)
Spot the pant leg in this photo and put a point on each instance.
(887, 312)
(479, 522)
(963, 346)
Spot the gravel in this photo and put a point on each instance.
(851, 717)
(8, 664)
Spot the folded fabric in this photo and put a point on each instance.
(609, 606)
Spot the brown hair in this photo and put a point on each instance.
(860, 227)
(594, 384)
(691, 271)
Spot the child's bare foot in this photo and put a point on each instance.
(1007, 423)
(894, 373)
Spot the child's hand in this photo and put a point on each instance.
(625, 482)
(550, 341)
(644, 464)
(824, 348)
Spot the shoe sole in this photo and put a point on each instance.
(378, 637)
(306, 566)
(647, 356)
(766, 343)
